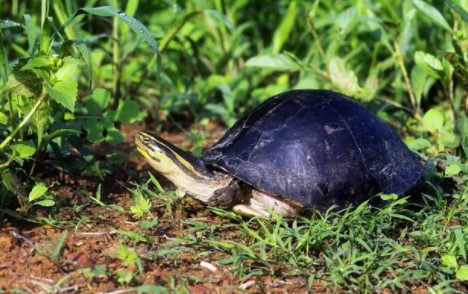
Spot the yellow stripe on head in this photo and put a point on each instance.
(158, 151)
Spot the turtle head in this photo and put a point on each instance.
(186, 172)
(167, 158)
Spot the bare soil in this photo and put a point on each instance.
(95, 233)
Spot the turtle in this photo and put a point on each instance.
(296, 151)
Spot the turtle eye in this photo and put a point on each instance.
(146, 140)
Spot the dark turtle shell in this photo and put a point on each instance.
(318, 148)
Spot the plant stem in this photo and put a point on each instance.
(401, 63)
(317, 42)
(24, 121)
(116, 60)
(452, 102)
(5, 164)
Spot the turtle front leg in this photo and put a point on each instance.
(235, 193)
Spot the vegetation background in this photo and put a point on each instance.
(77, 78)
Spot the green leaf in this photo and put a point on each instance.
(389, 197)
(95, 130)
(70, 67)
(344, 80)
(13, 184)
(450, 140)
(4, 24)
(45, 203)
(221, 17)
(283, 31)
(462, 273)
(433, 120)
(3, 118)
(153, 289)
(449, 260)
(114, 136)
(98, 101)
(419, 144)
(24, 82)
(418, 80)
(429, 63)
(64, 92)
(457, 9)
(461, 127)
(40, 60)
(39, 119)
(452, 170)
(346, 21)
(432, 13)
(24, 149)
(37, 192)
(127, 112)
(146, 224)
(281, 62)
(32, 33)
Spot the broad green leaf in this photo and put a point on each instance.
(64, 92)
(461, 127)
(95, 130)
(432, 13)
(283, 31)
(452, 170)
(114, 136)
(419, 144)
(45, 203)
(433, 120)
(458, 10)
(344, 80)
(280, 62)
(346, 21)
(40, 60)
(127, 112)
(462, 273)
(429, 63)
(25, 83)
(37, 192)
(450, 140)
(69, 68)
(3, 118)
(98, 101)
(24, 149)
(449, 260)
(418, 79)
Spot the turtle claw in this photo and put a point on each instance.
(228, 196)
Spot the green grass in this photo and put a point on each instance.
(73, 73)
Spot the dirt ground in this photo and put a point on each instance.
(95, 233)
